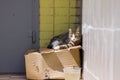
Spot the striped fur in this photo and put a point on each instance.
(66, 40)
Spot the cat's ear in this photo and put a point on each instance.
(70, 33)
(78, 30)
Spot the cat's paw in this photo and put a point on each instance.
(56, 47)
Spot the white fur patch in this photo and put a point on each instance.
(73, 37)
(56, 45)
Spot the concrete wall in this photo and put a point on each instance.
(101, 41)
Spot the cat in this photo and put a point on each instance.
(65, 40)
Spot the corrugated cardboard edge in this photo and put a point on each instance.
(30, 51)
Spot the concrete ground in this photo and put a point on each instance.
(13, 77)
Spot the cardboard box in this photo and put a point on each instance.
(49, 64)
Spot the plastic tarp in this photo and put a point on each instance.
(101, 39)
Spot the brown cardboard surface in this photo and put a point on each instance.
(66, 58)
(52, 61)
(76, 55)
(49, 64)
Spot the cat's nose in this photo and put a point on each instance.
(74, 40)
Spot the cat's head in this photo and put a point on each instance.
(75, 36)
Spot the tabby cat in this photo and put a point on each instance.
(66, 40)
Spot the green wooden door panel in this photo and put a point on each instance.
(46, 11)
(46, 27)
(56, 16)
(61, 11)
(46, 19)
(46, 3)
(62, 3)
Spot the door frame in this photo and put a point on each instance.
(35, 23)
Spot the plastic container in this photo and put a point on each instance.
(72, 73)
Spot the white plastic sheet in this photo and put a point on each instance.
(98, 47)
(102, 54)
(101, 39)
